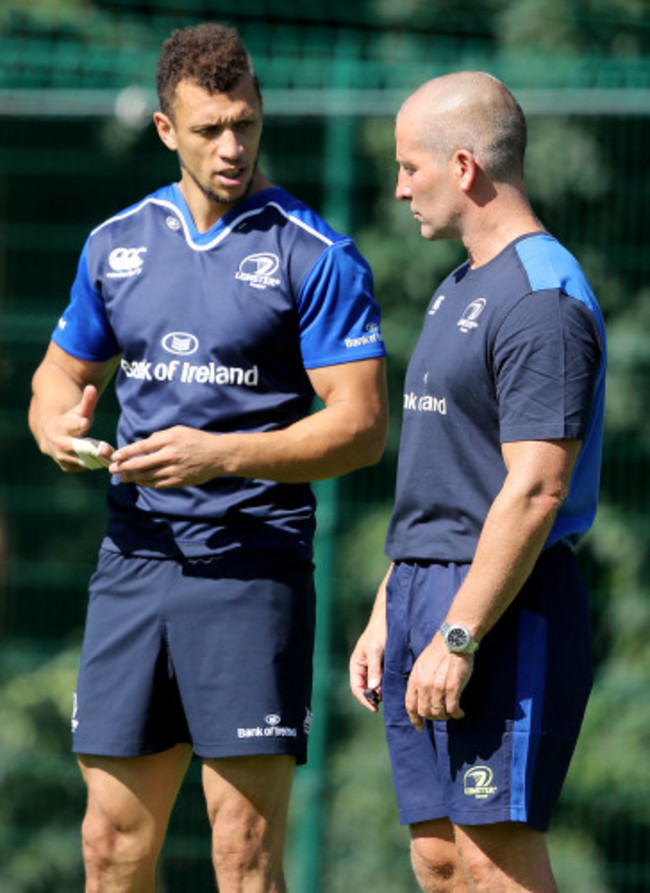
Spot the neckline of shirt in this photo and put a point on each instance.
(250, 203)
(511, 246)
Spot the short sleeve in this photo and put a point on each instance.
(546, 362)
(84, 330)
(339, 317)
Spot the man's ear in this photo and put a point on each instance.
(165, 128)
(466, 168)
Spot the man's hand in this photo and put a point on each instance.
(367, 659)
(174, 457)
(65, 393)
(61, 431)
(366, 664)
(436, 683)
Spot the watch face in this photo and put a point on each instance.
(457, 638)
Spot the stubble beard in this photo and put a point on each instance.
(214, 196)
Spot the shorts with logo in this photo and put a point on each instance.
(507, 759)
(216, 652)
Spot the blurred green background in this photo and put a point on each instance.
(76, 145)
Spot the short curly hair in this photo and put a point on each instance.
(212, 55)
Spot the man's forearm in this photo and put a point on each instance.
(54, 393)
(65, 393)
(515, 531)
(331, 442)
(512, 539)
(348, 433)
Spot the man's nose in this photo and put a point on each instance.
(402, 189)
(229, 144)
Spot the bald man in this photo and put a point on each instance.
(479, 639)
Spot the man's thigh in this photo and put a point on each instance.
(216, 652)
(240, 634)
(133, 794)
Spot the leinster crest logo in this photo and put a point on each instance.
(471, 313)
(477, 783)
(258, 269)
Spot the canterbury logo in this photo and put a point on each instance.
(125, 261)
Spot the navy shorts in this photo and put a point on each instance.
(507, 759)
(215, 652)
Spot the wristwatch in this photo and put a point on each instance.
(458, 638)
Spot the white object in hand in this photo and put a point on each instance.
(88, 450)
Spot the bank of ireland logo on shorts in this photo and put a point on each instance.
(272, 728)
(471, 313)
(183, 344)
(477, 783)
(257, 270)
(125, 262)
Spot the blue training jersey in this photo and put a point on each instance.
(215, 331)
(510, 351)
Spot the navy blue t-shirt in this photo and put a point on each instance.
(215, 331)
(510, 351)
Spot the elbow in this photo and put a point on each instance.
(34, 424)
(557, 495)
(549, 504)
(377, 446)
(371, 442)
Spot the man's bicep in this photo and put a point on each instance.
(362, 382)
(81, 372)
(547, 464)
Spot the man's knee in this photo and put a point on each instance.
(482, 869)
(505, 856)
(435, 862)
(247, 801)
(241, 844)
(111, 847)
(434, 870)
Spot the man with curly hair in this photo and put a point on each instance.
(222, 305)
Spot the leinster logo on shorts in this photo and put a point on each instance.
(471, 313)
(477, 783)
(258, 269)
